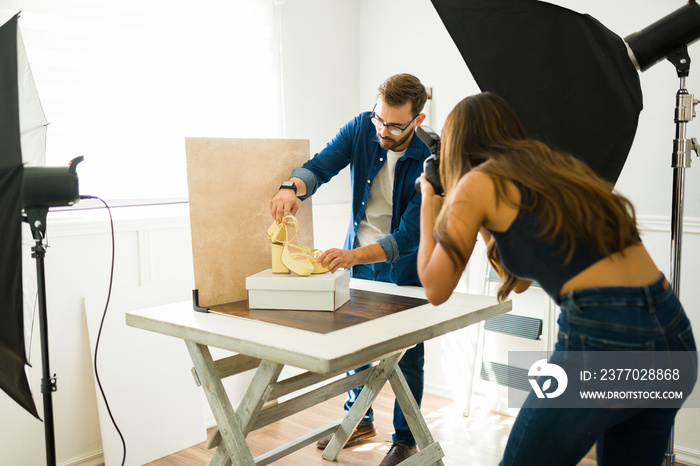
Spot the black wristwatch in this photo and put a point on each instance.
(289, 185)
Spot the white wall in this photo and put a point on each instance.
(320, 49)
(408, 37)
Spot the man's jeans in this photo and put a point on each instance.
(411, 364)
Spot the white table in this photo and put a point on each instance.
(268, 347)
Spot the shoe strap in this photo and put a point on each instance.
(310, 253)
(291, 219)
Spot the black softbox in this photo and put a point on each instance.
(567, 76)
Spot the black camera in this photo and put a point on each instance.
(432, 163)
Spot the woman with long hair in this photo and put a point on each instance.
(547, 217)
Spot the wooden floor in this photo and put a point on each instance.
(475, 441)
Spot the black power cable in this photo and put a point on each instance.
(99, 333)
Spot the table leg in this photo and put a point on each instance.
(255, 396)
(231, 433)
(220, 457)
(374, 384)
(254, 400)
(430, 450)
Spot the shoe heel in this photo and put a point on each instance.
(277, 265)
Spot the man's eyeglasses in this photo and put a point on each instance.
(393, 129)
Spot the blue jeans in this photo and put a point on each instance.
(411, 364)
(648, 318)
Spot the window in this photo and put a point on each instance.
(124, 82)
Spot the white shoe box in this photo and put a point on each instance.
(317, 292)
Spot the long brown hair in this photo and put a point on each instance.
(573, 204)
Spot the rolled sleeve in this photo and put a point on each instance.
(390, 246)
(309, 179)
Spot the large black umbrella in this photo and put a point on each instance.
(567, 76)
(13, 379)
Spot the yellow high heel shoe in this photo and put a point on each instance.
(294, 256)
(313, 254)
(313, 257)
(277, 233)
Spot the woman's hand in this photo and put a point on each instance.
(468, 205)
(426, 188)
(431, 258)
(429, 196)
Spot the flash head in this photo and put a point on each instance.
(51, 186)
(653, 43)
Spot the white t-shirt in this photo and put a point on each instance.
(376, 223)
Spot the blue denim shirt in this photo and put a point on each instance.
(357, 144)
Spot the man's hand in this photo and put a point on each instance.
(283, 203)
(336, 259)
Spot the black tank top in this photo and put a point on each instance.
(526, 256)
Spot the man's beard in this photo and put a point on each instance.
(394, 144)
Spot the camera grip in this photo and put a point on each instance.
(432, 174)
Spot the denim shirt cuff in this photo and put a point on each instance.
(391, 248)
(309, 179)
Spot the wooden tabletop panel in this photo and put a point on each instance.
(363, 306)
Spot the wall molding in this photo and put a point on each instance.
(92, 221)
(687, 455)
(662, 223)
(93, 459)
(96, 220)
(135, 218)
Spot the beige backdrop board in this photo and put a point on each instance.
(231, 182)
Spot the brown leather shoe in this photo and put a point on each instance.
(398, 453)
(361, 432)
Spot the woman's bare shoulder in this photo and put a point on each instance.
(477, 191)
(475, 183)
(473, 196)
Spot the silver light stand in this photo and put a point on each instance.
(682, 146)
(685, 111)
(668, 38)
